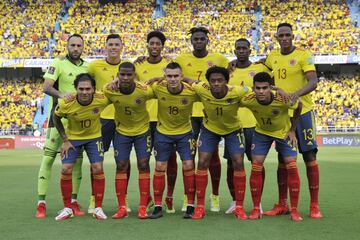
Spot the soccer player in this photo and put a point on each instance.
(59, 80)
(221, 103)
(242, 75)
(104, 71)
(132, 128)
(153, 67)
(194, 66)
(294, 72)
(273, 124)
(83, 131)
(174, 132)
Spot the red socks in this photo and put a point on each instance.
(121, 182)
(239, 186)
(189, 184)
(99, 188)
(201, 179)
(312, 171)
(66, 188)
(256, 183)
(215, 172)
(158, 186)
(294, 183)
(144, 187)
(282, 183)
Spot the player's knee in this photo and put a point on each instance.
(67, 168)
(122, 166)
(160, 166)
(97, 168)
(310, 156)
(143, 164)
(50, 152)
(188, 165)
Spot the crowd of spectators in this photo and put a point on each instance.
(337, 100)
(19, 100)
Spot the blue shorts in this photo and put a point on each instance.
(152, 131)
(306, 132)
(209, 141)
(108, 128)
(247, 133)
(262, 143)
(123, 145)
(92, 147)
(164, 145)
(196, 123)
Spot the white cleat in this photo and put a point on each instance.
(64, 214)
(99, 214)
(232, 207)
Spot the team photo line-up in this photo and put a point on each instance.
(184, 105)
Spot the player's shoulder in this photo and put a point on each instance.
(141, 86)
(278, 98)
(99, 95)
(187, 86)
(183, 56)
(69, 99)
(97, 62)
(250, 96)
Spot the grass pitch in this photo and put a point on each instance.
(339, 197)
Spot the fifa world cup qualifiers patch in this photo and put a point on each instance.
(51, 70)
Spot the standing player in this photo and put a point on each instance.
(194, 66)
(59, 80)
(83, 131)
(294, 72)
(273, 124)
(153, 67)
(221, 103)
(174, 132)
(242, 75)
(132, 128)
(104, 71)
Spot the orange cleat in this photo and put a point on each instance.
(41, 210)
(315, 212)
(142, 214)
(255, 214)
(76, 209)
(121, 213)
(277, 210)
(240, 213)
(199, 213)
(295, 215)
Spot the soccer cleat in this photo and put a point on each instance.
(99, 214)
(189, 212)
(278, 209)
(295, 215)
(315, 212)
(64, 214)
(169, 205)
(214, 203)
(240, 213)
(157, 213)
(41, 210)
(231, 209)
(76, 209)
(255, 214)
(121, 213)
(142, 214)
(128, 209)
(150, 204)
(91, 208)
(199, 213)
(185, 203)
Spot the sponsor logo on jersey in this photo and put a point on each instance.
(105, 69)
(189, 65)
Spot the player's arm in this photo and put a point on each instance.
(189, 81)
(48, 88)
(310, 86)
(154, 80)
(291, 135)
(66, 146)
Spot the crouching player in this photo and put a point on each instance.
(221, 103)
(83, 131)
(174, 132)
(272, 124)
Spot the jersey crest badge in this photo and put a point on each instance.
(210, 64)
(184, 101)
(292, 62)
(275, 111)
(96, 110)
(51, 70)
(138, 101)
(251, 73)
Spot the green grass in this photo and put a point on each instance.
(339, 197)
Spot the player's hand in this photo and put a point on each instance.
(294, 97)
(114, 85)
(140, 59)
(66, 146)
(67, 96)
(153, 80)
(232, 65)
(291, 138)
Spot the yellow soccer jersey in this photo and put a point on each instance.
(195, 69)
(146, 71)
(174, 116)
(131, 117)
(220, 115)
(289, 72)
(273, 119)
(244, 77)
(83, 121)
(104, 73)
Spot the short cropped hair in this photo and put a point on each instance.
(157, 34)
(216, 69)
(82, 77)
